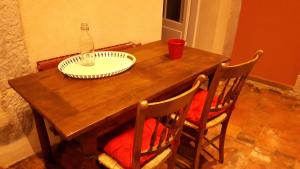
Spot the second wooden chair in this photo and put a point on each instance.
(214, 106)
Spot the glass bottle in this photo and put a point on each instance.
(86, 46)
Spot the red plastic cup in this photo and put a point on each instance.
(176, 47)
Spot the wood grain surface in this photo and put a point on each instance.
(75, 106)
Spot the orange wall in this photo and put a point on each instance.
(274, 26)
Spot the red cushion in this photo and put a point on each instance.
(194, 113)
(121, 147)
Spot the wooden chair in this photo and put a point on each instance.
(155, 137)
(214, 107)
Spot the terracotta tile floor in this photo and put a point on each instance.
(264, 133)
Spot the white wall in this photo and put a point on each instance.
(216, 25)
(52, 28)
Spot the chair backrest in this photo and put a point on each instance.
(226, 86)
(169, 115)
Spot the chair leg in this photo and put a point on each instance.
(171, 162)
(222, 140)
(198, 148)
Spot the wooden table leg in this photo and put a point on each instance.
(43, 136)
(88, 144)
(210, 78)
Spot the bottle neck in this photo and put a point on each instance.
(85, 42)
(84, 26)
(84, 31)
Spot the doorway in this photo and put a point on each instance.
(175, 19)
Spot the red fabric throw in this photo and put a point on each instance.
(121, 147)
(195, 111)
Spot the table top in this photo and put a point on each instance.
(75, 106)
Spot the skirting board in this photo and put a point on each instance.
(270, 83)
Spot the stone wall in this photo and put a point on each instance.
(15, 115)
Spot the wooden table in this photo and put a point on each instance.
(80, 108)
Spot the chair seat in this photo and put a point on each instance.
(109, 162)
(120, 148)
(211, 123)
(194, 113)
